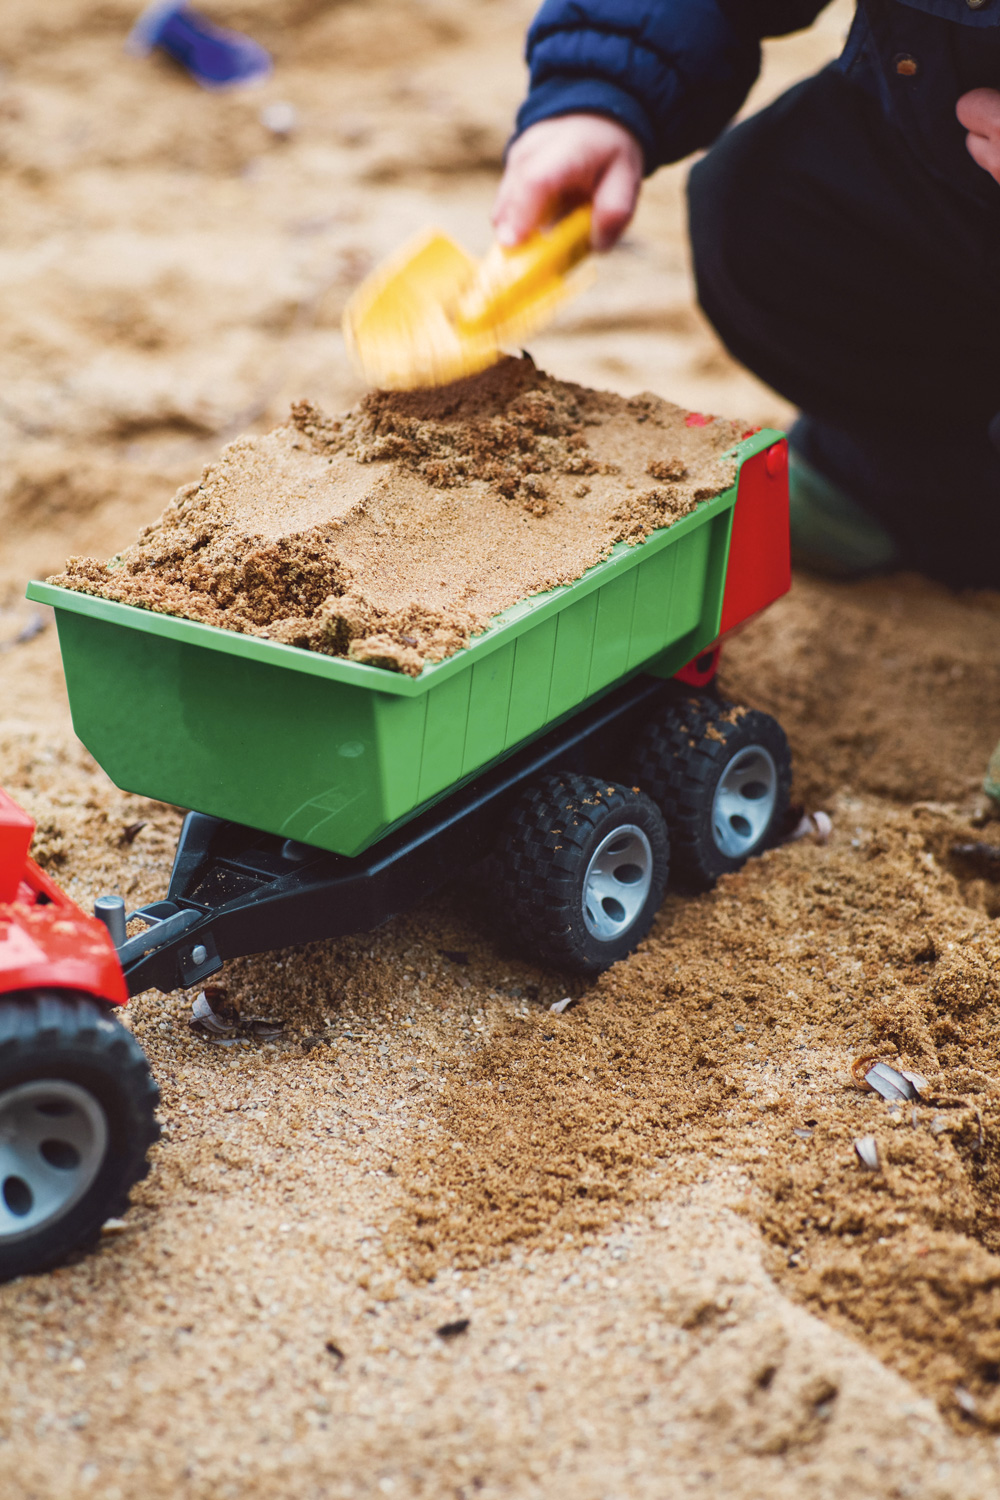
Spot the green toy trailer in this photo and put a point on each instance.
(330, 795)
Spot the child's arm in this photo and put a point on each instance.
(621, 87)
(979, 112)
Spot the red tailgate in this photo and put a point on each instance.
(760, 565)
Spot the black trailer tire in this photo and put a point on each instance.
(565, 898)
(77, 1119)
(721, 776)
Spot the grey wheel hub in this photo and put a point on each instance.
(744, 801)
(53, 1139)
(617, 882)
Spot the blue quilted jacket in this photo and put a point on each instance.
(676, 71)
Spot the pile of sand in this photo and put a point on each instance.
(394, 533)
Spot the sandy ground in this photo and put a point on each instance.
(677, 1280)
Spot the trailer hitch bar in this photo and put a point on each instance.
(166, 922)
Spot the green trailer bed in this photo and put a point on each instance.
(334, 753)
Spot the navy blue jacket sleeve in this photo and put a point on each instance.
(674, 72)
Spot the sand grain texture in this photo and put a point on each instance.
(730, 1306)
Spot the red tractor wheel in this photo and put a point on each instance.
(77, 1119)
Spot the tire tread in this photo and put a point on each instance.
(52, 1026)
(547, 833)
(677, 761)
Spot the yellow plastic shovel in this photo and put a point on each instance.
(432, 313)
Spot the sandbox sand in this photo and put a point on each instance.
(673, 1288)
(394, 533)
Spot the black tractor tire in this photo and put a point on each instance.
(721, 776)
(77, 1119)
(565, 899)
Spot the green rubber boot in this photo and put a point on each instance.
(991, 785)
(831, 534)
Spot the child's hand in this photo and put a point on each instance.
(979, 112)
(560, 163)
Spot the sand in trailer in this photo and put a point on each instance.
(395, 532)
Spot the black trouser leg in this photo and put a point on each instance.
(866, 292)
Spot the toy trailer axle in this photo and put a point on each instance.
(235, 891)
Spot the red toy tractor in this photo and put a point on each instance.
(77, 1099)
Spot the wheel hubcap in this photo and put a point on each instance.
(744, 801)
(617, 882)
(53, 1137)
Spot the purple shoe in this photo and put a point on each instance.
(215, 58)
